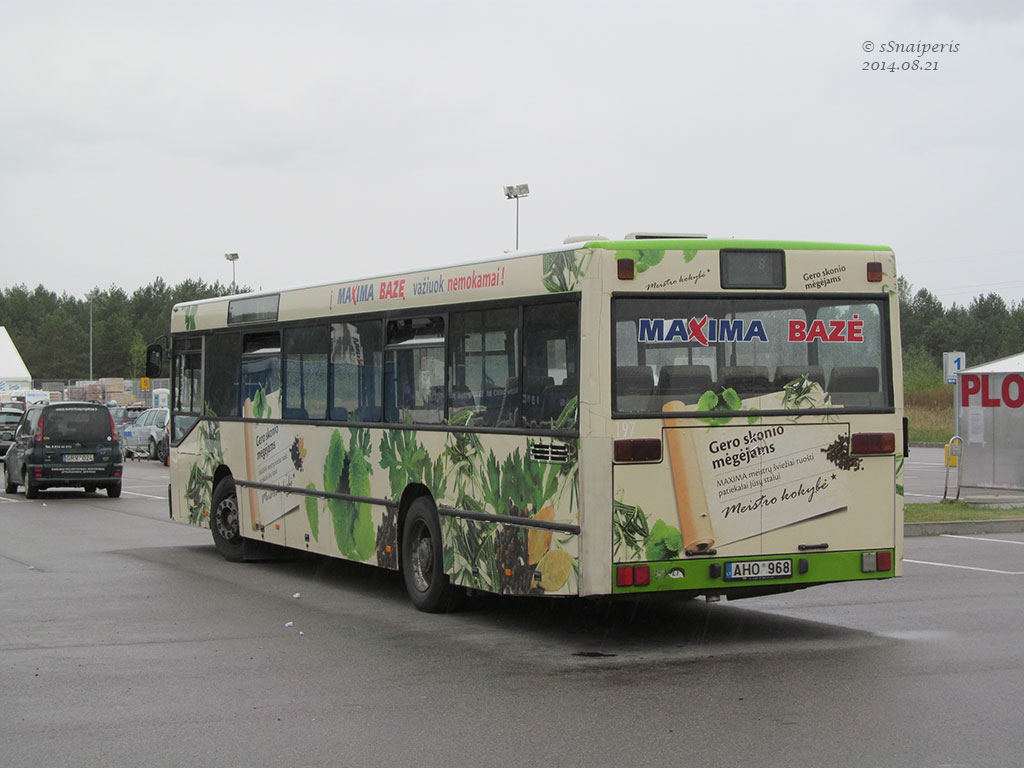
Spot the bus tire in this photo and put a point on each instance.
(423, 561)
(224, 523)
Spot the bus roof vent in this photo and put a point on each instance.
(582, 238)
(662, 235)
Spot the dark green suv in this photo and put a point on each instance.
(60, 445)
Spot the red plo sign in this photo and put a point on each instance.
(1009, 392)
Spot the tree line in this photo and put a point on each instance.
(51, 332)
(986, 329)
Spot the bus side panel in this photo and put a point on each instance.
(530, 478)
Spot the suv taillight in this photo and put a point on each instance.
(113, 429)
(38, 437)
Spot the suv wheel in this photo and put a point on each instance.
(31, 489)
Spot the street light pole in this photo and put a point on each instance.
(232, 257)
(92, 297)
(514, 192)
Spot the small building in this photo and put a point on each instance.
(990, 420)
(14, 376)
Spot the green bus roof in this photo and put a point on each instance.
(705, 244)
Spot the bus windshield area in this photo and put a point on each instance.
(778, 353)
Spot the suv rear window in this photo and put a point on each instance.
(86, 424)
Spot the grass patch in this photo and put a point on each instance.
(930, 416)
(957, 510)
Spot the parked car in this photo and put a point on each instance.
(149, 434)
(125, 415)
(66, 444)
(9, 418)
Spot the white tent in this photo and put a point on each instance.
(14, 376)
(990, 419)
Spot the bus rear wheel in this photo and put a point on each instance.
(423, 561)
(224, 524)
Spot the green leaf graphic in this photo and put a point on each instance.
(313, 513)
(664, 542)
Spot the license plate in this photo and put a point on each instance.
(751, 570)
(71, 458)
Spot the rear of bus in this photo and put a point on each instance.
(756, 414)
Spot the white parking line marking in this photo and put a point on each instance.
(966, 567)
(980, 538)
(143, 495)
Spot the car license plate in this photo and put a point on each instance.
(71, 458)
(750, 570)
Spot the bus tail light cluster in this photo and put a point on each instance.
(868, 443)
(633, 576)
(639, 449)
(874, 271)
(872, 562)
(626, 269)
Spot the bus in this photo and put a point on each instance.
(655, 414)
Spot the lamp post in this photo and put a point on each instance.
(515, 192)
(91, 296)
(232, 257)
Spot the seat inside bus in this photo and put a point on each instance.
(855, 386)
(634, 385)
(747, 380)
(684, 382)
(787, 373)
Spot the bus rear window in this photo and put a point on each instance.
(763, 354)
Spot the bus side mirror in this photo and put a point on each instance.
(154, 360)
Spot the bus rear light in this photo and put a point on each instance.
(868, 443)
(626, 269)
(633, 576)
(624, 576)
(639, 449)
(642, 575)
(874, 271)
(871, 562)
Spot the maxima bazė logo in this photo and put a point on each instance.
(353, 294)
(703, 330)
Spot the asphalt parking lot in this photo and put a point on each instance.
(125, 639)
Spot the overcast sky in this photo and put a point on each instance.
(331, 140)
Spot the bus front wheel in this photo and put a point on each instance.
(227, 536)
(423, 561)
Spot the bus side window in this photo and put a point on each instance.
(483, 378)
(261, 373)
(356, 371)
(305, 372)
(414, 371)
(551, 376)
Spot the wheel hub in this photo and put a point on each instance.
(422, 559)
(226, 519)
